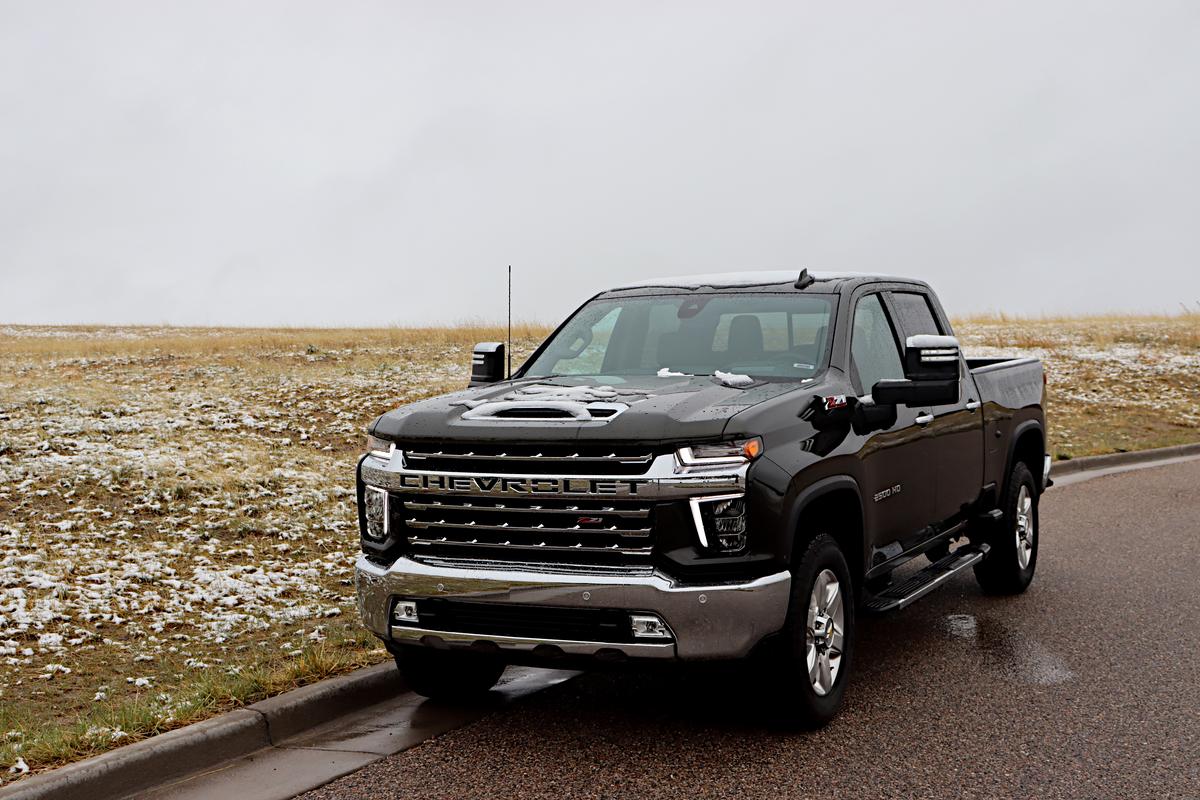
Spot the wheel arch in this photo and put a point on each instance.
(1027, 444)
(839, 498)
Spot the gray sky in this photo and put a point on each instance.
(379, 163)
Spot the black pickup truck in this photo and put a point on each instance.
(708, 467)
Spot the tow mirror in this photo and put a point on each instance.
(931, 358)
(487, 363)
(931, 370)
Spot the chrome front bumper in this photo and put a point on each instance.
(714, 621)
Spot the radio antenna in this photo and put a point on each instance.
(508, 350)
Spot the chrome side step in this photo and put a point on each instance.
(904, 594)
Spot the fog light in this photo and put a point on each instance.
(375, 512)
(720, 522)
(648, 626)
(405, 613)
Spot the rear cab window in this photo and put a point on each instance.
(914, 314)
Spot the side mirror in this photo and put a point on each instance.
(931, 358)
(487, 363)
(931, 374)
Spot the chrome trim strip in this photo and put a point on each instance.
(499, 508)
(925, 341)
(596, 571)
(541, 548)
(407, 633)
(421, 524)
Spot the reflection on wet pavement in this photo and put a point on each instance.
(1020, 658)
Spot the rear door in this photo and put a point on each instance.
(957, 428)
(897, 463)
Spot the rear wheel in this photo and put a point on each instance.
(819, 635)
(447, 675)
(1009, 566)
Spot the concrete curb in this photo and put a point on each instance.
(186, 751)
(296, 711)
(1088, 463)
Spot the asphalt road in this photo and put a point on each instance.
(1086, 686)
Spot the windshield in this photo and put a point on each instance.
(757, 334)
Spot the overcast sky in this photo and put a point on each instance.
(297, 163)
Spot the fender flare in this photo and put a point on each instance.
(1014, 437)
(816, 491)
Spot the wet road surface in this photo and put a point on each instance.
(1086, 686)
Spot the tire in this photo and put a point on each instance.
(812, 681)
(444, 675)
(1012, 559)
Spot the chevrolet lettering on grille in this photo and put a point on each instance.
(497, 485)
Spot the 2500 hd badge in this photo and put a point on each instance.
(888, 492)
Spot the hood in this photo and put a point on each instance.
(643, 409)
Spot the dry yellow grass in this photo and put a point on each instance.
(94, 341)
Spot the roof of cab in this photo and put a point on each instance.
(722, 280)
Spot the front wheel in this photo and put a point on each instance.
(1010, 562)
(447, 675)
(819, 636)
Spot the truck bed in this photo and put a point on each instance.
(1009, 382)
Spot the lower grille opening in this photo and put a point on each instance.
(609, 625)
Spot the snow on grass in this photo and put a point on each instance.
(179, 505)
(1114, 383)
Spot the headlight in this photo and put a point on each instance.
(380, 447)
(742, 451)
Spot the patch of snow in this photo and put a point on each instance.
(733, 379)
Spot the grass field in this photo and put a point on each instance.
(177, 524)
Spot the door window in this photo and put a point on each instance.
(873, 351)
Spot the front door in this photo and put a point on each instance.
(897, 463)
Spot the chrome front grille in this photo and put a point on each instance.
(526, 528)
(559, 506)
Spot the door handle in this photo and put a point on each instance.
(972, 405)
(924, 419)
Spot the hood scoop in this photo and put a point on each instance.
(546, 403)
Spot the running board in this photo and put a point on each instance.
(904, 594)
